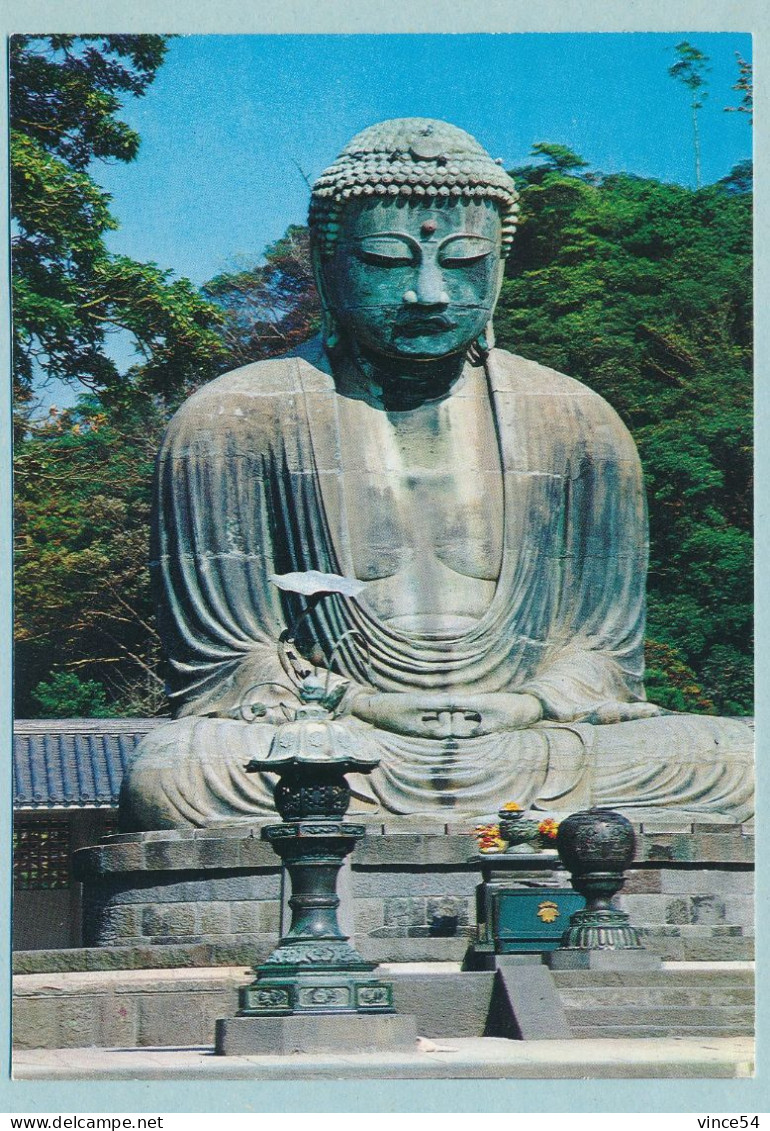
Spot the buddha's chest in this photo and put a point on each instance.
(423, 490)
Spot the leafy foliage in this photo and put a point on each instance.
(671, 683)
(269, 308)
(744, 85)
(690, 69)
(82, 509)
(65, 696)
(83, 476)
(69, 293)
(64, 92)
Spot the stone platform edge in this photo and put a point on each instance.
(701, 844)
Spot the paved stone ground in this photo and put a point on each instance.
(467, 1058)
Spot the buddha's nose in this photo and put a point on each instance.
(429, 287)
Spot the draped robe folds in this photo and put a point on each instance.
(249, 484)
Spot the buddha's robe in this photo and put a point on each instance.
(250, 483)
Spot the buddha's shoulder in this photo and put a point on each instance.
(563, 403)
(264, 385)
(511, 371)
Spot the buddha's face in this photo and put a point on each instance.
(413, 279)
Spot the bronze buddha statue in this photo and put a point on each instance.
(491, 511)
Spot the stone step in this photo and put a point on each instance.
(707, 976)
(586, 997)
(711, 948)
(689, 930)
(702, 1002)
(669, 1018)
(592, 1032)
(229, 950)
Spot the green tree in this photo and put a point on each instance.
(740, 179)
(269, 308)
(558, 157)
(83, 476)
(745, 87)
(69, 293)
(82, 509)
(690, 69)
(64, 696)
(671, 683)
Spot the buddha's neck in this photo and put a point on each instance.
(396, 384)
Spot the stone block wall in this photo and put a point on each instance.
(693, 913)
(409, 896)
(693, 896)
(690, 892)
(211, 887)
(414, 896)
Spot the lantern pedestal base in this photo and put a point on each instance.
(315, 1033)
(317, 990)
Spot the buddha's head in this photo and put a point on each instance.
(410, 228)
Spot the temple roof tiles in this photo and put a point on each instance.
(72, 763)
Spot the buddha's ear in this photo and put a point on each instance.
(500, 278)
(479, 350)
(330, 331)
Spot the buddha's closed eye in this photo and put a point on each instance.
(460, 250)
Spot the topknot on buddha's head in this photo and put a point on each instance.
(417, 158)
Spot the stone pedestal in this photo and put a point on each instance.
(332, 1033)
(219, 888)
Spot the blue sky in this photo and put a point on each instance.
(231, 123)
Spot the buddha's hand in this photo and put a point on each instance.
(447, 716)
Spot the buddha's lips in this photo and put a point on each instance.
(429, 324)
